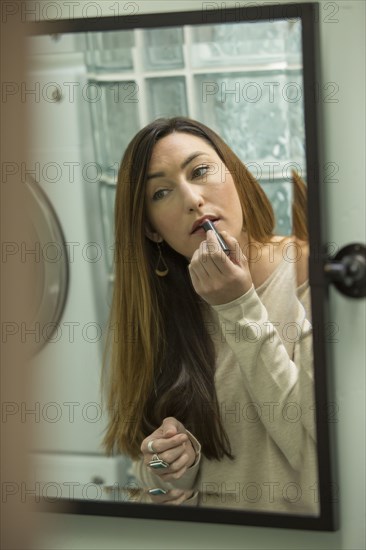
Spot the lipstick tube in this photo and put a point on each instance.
(209, 225)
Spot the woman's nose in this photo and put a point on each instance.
(192, 196)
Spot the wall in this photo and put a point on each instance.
(342, 57)
(56, 139)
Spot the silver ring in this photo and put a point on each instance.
(150, 446)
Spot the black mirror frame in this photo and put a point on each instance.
(328, 493)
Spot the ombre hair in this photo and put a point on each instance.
(299, 208)
(159, 358)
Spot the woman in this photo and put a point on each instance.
(210, 373)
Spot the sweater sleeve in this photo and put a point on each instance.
(279, 385)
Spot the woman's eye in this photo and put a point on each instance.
(159, 194)
(200, 171)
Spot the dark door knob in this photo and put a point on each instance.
(347, 270)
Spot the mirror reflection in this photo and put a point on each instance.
(214, 348)
(208, 363)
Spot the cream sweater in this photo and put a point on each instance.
(264, 385)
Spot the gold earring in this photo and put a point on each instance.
(161, 272)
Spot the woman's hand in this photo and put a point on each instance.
(218, 278)
(171, 443)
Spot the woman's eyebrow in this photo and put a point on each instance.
(183, 165)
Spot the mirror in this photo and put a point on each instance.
(250, 74)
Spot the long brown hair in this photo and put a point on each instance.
(162, 358)
(299, 207)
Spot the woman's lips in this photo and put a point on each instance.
(201, 231)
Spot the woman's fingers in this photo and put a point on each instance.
(172, 445)
(160, 445)
(217, 278)
(236, 255)
(173, 496)
(209, 258)
(177, 465)
(179, 460)
(169, 456)
(213, 255)
(170, 434)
